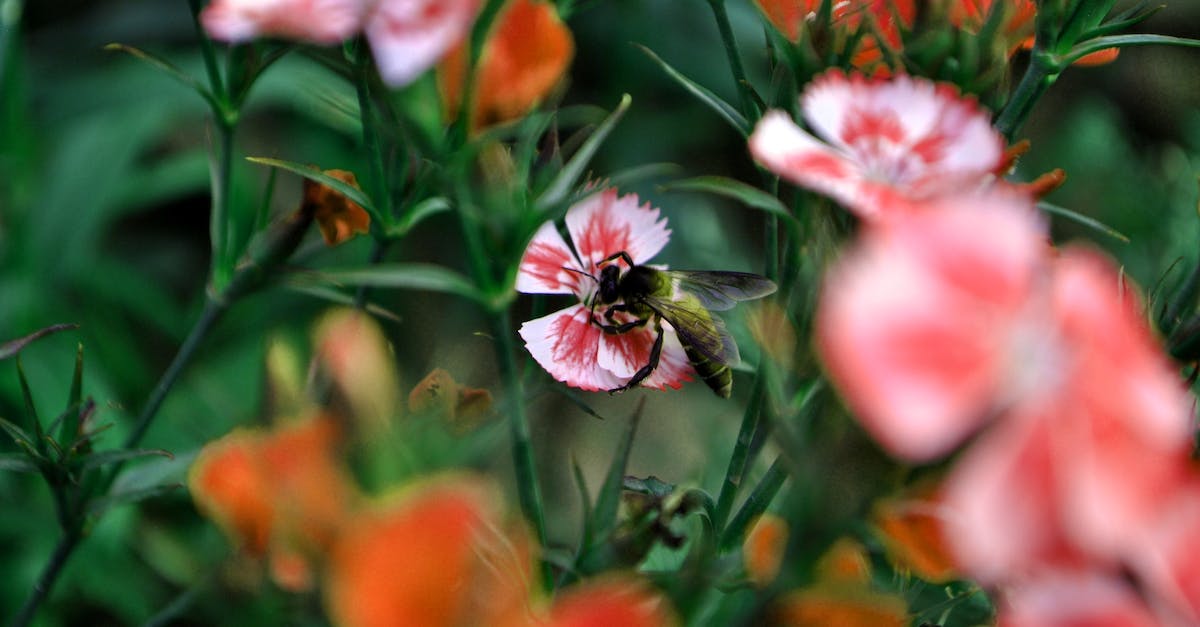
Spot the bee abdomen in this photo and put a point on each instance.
(716, 375)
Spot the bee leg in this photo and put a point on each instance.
(651, 364)
(622, 255)
(617, 329)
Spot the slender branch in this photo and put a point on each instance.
(45, 581)
(1039, 76)
(749, 110)
(527, 480)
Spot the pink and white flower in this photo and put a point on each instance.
(407, 37)
(887, 142)
(924, 326)
(567, 343)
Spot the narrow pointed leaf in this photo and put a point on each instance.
(101, 505)
(585, 500)
(8, 349)
(728, 112)
(1124, 21)
(313, 173)
(70, 418)
(18, 435)
(17, 462)
(1087, 221)
(747, 195)
(103, 458)
(418, 214)
(1122, 41)
(340, 298)
(409, 276)
(577, 401)
(755, 505)
(560, 188)
(170, 69)
(609, 498)
(31, 410)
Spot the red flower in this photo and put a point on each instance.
(567, 343)
(890, 142)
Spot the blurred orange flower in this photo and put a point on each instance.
(358, 358)
(338, 217)
(437, 555)
(911, 530)
(622, 602)
(281, 494)
(762, 551)
(841, 596)
(526, 55)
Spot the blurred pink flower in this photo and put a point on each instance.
(886, 142)
(566, 343)
(925, 326)
(407, 36)
(1074, 599)
(1083, 467)
(1168, 563)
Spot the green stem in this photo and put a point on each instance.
(209, 52)
(749, 110)
(377, 186)
(738, 460)
(219, 221)
(213, 308)
(1039, 76)
(45, 581)
(527, 482)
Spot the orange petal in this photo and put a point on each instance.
(435, 556)
(338, 217)
(623, 602)
(845, 562)
(526, 55)
(358, 357)
(841, 608)
(911, 530)
(762, 551)
(227, 486)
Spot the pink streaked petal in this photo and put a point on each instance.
(603, 224)
(542, 266)
(784, 148)
(1126, 423)
(1168, 561)
(318, 21)
(916, 326)
(408, 36)
(1002, 498)
(1075, 599)
(624, 354)
(567, 345)
(907, 130)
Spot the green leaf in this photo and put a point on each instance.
(17, 462)
(101, 505)
(1087, 221)
(1125, 20)
(314, 173)
(577, 401)
(103, 458)
(341, 298)
(560, 188)
(585, 501)
(418, 214)
(71, 415)
(39, 441)
(1122, 41)
(8, 349)
(728, 112)
(755, 505)
(410, 276)
(748, 195)
(17, 434)
(604, 518)
(171, 70)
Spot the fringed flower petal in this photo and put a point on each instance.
(544, 266)
(567, 345)
(605, 223)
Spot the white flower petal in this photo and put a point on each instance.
(543, 266)
(604, 224)
(409, 36)
(566, 345)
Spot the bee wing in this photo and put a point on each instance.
(698, 328)
(718, 290)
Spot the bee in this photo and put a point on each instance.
(686, 300)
